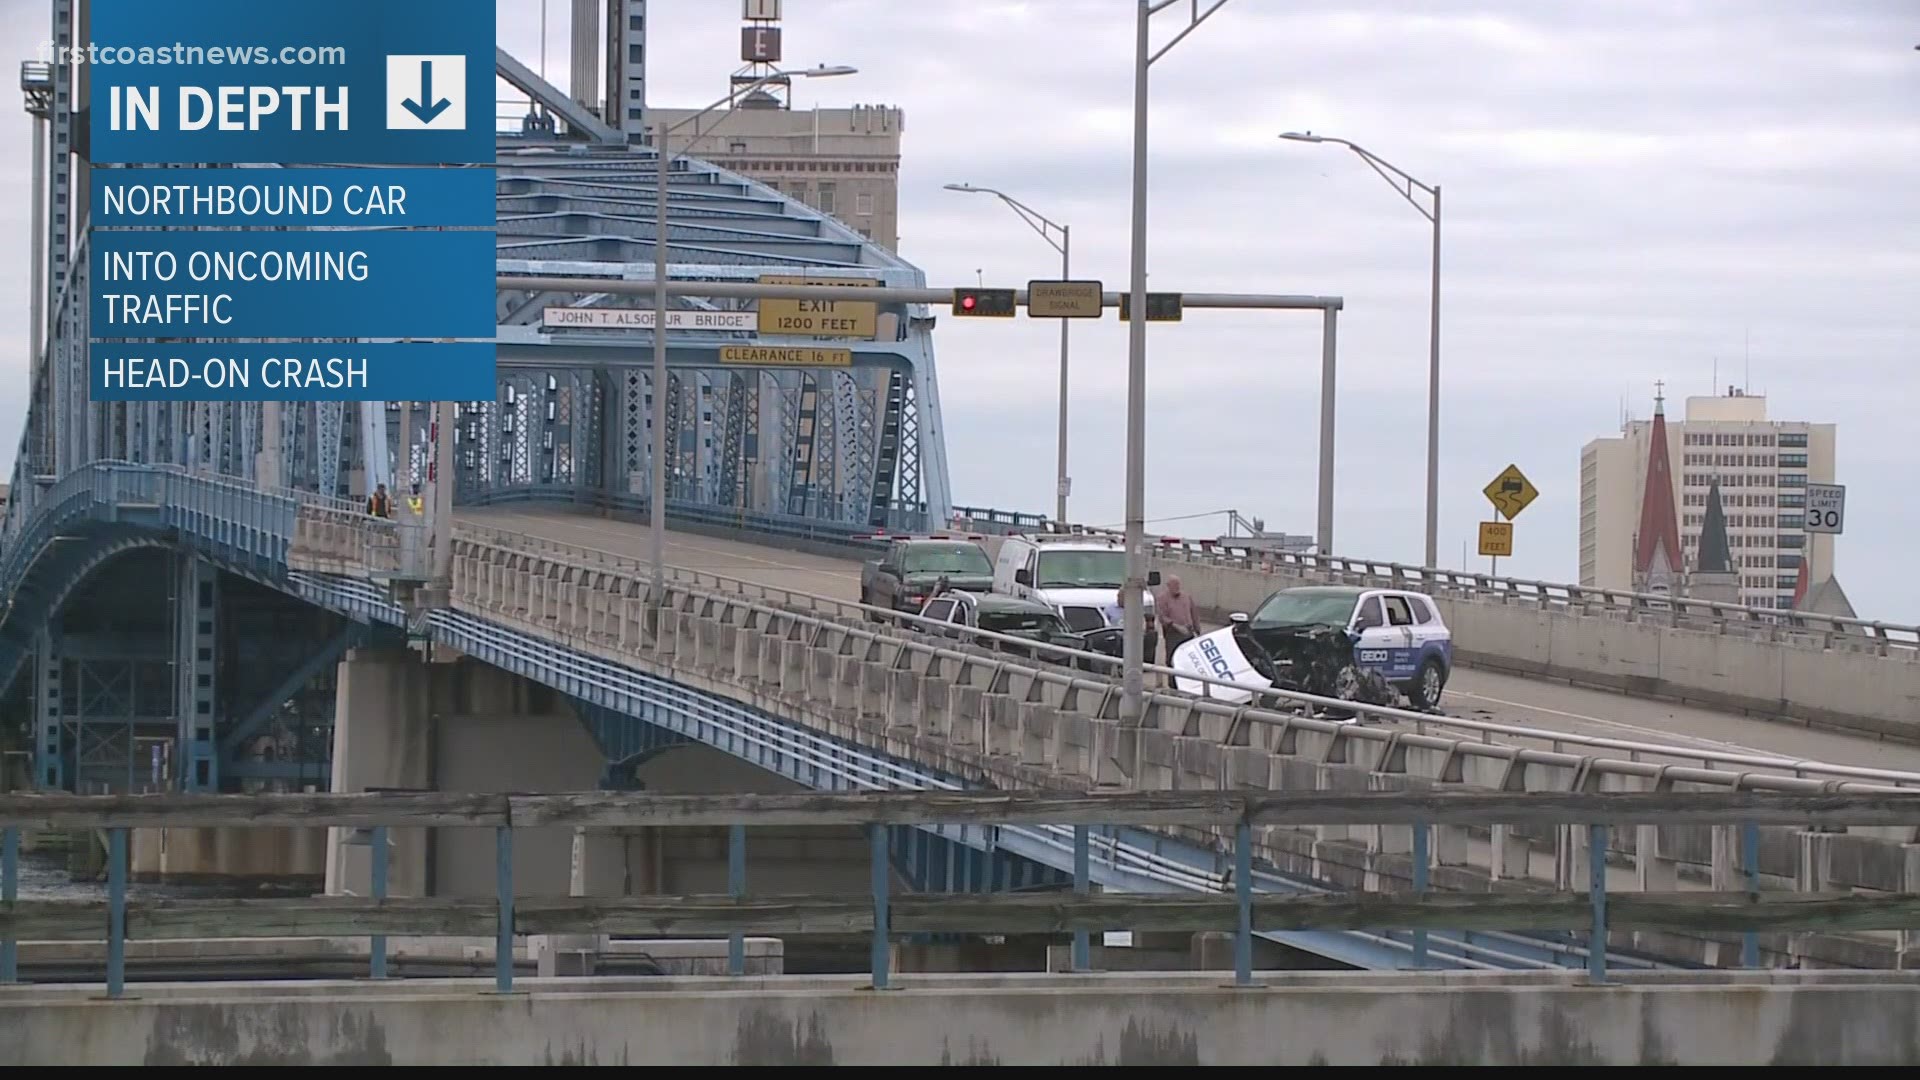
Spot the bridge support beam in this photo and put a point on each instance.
(196, 606)
(49, 755)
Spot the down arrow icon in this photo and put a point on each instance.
(426, 113)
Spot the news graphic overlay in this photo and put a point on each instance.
(331, 234)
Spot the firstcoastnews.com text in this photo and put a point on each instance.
(192, 55)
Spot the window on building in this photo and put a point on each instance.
(1793, 521)
(863, 203)
(825, 203)
(1790, 540)
(1795, 480)
(1793, 461)
(1795, 439)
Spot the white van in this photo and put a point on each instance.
(1078, 576)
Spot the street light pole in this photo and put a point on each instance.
(1064, 246)
(1433, 398)
(1060, 471)
(1406, 185)
(657, 497)
(1133, 611)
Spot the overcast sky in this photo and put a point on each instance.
(1634, 191)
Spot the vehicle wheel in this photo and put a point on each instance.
(1346, 687)
(1424, 691)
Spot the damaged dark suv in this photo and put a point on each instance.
(1346, 642)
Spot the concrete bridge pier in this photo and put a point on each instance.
(460, 726)
(405, 723)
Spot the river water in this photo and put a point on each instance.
(43, 876)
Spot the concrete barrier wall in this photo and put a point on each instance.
(1131, 1019)
(1847, 686)
(975, 715)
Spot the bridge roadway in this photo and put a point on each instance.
(1471, 694)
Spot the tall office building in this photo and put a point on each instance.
(1724, 447)
(844, 163)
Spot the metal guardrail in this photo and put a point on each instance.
(1298, 704)
(837, 534)
(1830, 629)
(880, 914)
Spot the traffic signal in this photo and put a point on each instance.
(992, 303)
(1161, 307)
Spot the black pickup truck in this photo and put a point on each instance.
(915, 566)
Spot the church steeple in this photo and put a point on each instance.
(1656, 554)
(1716, 555)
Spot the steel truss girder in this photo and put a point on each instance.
(49, 745)
(233, 741)
(196, 603)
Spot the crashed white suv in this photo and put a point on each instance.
(1336, 641)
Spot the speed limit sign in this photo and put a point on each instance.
(1826, 507)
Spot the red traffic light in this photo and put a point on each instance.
(997, 303)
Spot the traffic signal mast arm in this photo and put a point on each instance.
(885, 294)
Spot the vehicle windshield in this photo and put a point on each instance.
(1305, 607)
(1082, 570)
(1022, 622)
(946, 559)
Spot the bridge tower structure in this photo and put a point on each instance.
(153, 636)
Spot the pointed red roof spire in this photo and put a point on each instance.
(1800, 585)
(1656, 551)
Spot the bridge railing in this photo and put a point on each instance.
(1268, 702)
(880, 914)
(1823, 631)
(348, 539)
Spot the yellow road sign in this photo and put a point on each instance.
(818, 318)
(1064, 299)
(1511, 492)
(785, 356)
(1496, 538)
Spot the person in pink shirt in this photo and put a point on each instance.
(1173, 608)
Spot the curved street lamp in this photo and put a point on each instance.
(1041, 225)
(1406, 185)
(657, 498)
